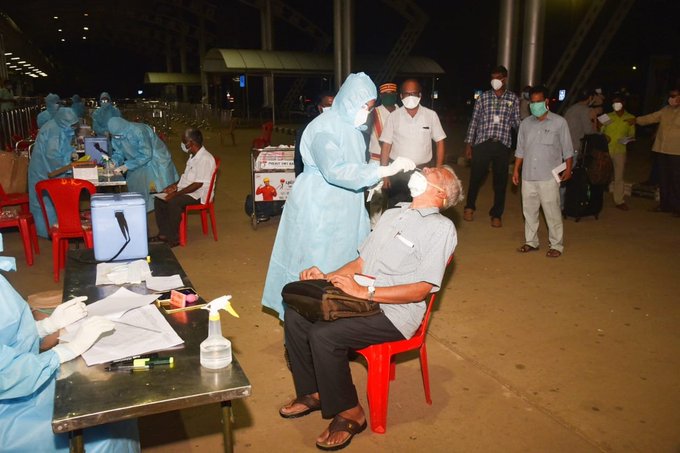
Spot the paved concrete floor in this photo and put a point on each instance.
(527, 354)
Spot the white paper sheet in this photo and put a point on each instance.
(557, 170)
(604, 119)
(127, 340)
(120, 273)
(118, 303)
(164, 283)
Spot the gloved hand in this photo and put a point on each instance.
(62, 316)
(88, 335)
(399, 164)
(121, 169)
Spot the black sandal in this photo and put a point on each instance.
(341, 424)
(312, 404)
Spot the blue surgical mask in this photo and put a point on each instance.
(538, 109)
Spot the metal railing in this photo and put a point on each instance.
(17, 124)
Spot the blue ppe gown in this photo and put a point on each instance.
(324, 219)
(52, 150)
(27, 383)
(51, 107)
(145, 155)
(77, 106)
(101, 117)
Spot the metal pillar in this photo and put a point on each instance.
(347, 37)
(507, 36)
(201, 53)
(183, 65)
(532, 52)
(266, 36)
(337, 42)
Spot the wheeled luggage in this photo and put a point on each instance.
(583, 198)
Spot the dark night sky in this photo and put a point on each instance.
(460, 35)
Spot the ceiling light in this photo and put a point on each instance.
(59, 30)
(85, 14)
(56, 17)
(28, 64)
(86, 28)
(13, 67)
(15, 58)
(7, 54)
(63, 40)
(21, 61)
(8, 63)
(84, 37)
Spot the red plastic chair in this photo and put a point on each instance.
(206, 209)
(29, 237)
(65, 195)
(266, 138)
(381, 370)
(14, 199)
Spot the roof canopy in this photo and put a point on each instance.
(254, 62)
(174, 78)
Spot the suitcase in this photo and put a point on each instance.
(119, 226)
(581, 198)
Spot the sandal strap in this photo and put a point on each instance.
(308, 400)
(341, 424)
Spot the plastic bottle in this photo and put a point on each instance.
(216, 350)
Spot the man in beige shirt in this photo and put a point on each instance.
(667, 144)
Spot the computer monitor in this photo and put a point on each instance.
(95, 147)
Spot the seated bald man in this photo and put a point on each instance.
(407, 254)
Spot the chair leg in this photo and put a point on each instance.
(425, 372)
(34, 236)
(204, 222)
(378, 391)
(56, 254)
(63, 248)
(212, 222)
(183, 229)
(25, 232)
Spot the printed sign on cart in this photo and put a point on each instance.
(273, 186)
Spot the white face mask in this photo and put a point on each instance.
(411, 102)
(617, 106)
(184, 147)
(418, 183)
(496, 84)
(325, 109)
(361, 116)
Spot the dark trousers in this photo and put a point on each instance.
(318, 355)
(669, 185)
(169, 214)
(498, 155)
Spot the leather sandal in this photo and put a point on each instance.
(312, 404)
(468, 214)
(341, 424)
(526, 248)
(552, 253)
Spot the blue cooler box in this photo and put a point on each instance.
(108, 237)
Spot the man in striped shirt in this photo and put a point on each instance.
(488, 141)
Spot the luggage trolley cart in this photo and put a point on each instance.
(272, 177)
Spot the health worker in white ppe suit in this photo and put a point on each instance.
(325, 220)
(28, 376)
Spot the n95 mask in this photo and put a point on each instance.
(361, 116)
(411, 102)
(417, 184)
(617, 106)
(496, 84)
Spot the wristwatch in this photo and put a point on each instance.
(371, 292)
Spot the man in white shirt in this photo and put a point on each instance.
(409, 133)
(192, 188)
(388, 104)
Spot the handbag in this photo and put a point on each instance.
(319, 300)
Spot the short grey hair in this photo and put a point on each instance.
(453, 189)
(194, 135)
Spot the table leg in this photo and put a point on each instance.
(76, 441)
(226, 427)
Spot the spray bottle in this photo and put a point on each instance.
(216, 350)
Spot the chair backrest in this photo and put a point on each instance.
(65, 195)
(211, 189)
(422, 329)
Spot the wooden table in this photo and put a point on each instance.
(89, 396)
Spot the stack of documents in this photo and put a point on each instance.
(135, 272)
(140, 328)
